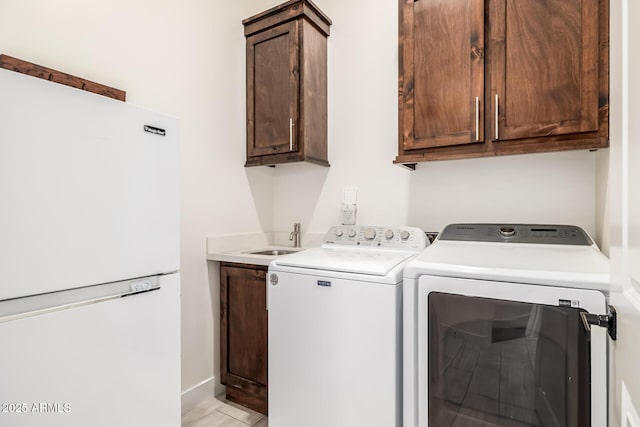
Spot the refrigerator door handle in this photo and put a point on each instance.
(36, 305)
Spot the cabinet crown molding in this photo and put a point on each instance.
(287, 11)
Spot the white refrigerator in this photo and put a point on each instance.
(89, 259)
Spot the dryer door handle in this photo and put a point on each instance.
(608, 321)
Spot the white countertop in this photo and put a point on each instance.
(238, 248)
(246, 257)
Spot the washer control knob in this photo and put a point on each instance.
(404, 234)
(388, 234)
(369, 233)
(352, 232)
(339, 232)
(507, 231)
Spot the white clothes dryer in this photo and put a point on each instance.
(335, 329)
(497, 328)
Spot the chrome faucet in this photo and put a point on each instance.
(295, 234)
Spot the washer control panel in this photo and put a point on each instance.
(409, 238)
(517, 233)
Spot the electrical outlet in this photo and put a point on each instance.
(348, 214)
(349, 208)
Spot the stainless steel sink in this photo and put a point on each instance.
(275, 252)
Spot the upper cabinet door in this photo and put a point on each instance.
(272, 90)
(544, 67)
(441, 73)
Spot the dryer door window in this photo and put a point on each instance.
(496, 362)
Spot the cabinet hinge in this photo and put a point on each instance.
(608, 321)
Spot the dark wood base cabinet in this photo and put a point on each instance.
(243, 334)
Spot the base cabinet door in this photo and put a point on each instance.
(243, 334)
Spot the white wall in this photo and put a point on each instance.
(363, 97)
(551, 188)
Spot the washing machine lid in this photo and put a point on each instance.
(575, 263)
(347, 260)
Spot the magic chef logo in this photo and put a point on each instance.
(325, 283)
(154, 130)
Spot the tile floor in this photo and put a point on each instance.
(219, 412)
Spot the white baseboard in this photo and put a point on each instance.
(192, 396)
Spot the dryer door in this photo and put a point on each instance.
(509, 354)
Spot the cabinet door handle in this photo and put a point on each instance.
(290, 134)
(497, 134)
(477, 118)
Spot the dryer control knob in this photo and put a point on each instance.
(339, 232)
(404, 234)
(352, 232)
(369, 233)
(388, 234)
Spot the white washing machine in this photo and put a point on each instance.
(497, 328)
(335, 329)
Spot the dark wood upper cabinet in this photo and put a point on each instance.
(539, 69)
(287, 85)
(243, 334)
